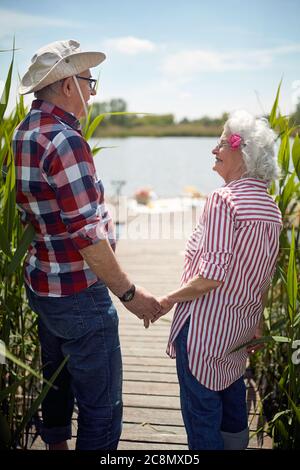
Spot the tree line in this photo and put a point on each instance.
(118, 105)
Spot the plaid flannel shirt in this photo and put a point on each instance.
(59, 194)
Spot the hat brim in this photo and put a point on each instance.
(65, 67)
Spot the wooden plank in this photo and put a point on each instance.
(157, 433)
(152, 416)
(142, 342)
(159, 328)
(151, 401)
(154, 401)
(166, 417)
(159, 370)
(138, 334)
(132, 445)
(149, 388)
(127, 318)
(150, 377)
(147, 361)
(144, 352)
(149, 340)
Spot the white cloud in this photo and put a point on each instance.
(15, 21)
(187, 63)
(130, 45)
(184, 95)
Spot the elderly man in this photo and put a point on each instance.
(71, 261)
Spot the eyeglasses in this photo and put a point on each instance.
(222, 143)
(92, 82)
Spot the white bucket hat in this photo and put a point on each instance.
(56, 61)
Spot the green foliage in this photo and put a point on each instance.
(20, 377)
(119, 123)
(116, 105)
(276, 369)
(296, 115)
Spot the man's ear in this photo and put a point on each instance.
(68, 86)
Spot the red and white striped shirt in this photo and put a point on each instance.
(236, 242)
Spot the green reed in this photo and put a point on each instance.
(277, 366)
(21, 384)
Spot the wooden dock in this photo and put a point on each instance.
(152, 417)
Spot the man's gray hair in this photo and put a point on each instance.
(49, 91)
(259, 138)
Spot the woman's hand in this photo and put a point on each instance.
(166, 304)
(251, 349)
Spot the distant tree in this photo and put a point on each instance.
(296, 115)
(160, 120)
(99, 108)
(118, 105)
(156, 120)
(112, 106)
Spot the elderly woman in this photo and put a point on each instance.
(229, 262)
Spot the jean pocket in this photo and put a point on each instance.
(64, 328)
(61, 316)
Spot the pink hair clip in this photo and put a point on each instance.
(235, 141)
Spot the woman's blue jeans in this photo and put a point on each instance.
(213, 420)
(83, 326)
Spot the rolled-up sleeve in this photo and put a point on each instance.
(218, 237)
(69, 170)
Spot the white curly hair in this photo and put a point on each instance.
(259, 139)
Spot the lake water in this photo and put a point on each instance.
(166, 164)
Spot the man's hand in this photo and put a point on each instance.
(166, 304)
(143, 305)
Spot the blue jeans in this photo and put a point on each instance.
(85, 327)
(210, 417)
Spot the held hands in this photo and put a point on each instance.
(143, 305)
(148, 308)
(166, 305)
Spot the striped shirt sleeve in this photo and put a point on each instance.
(69, 169)
(218, 237)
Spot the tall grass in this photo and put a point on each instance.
(277, 367)
(21, 391)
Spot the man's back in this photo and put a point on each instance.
(58, 192)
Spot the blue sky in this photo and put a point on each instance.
(190, 58)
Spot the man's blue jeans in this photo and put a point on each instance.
(213, 420)
(85, 327)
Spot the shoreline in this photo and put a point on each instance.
(179, 130)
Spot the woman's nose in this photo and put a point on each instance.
(93, 92)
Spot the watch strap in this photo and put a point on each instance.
(128, 295)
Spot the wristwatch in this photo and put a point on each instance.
(128, 295)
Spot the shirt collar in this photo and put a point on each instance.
(249, 181)
(49, 108)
